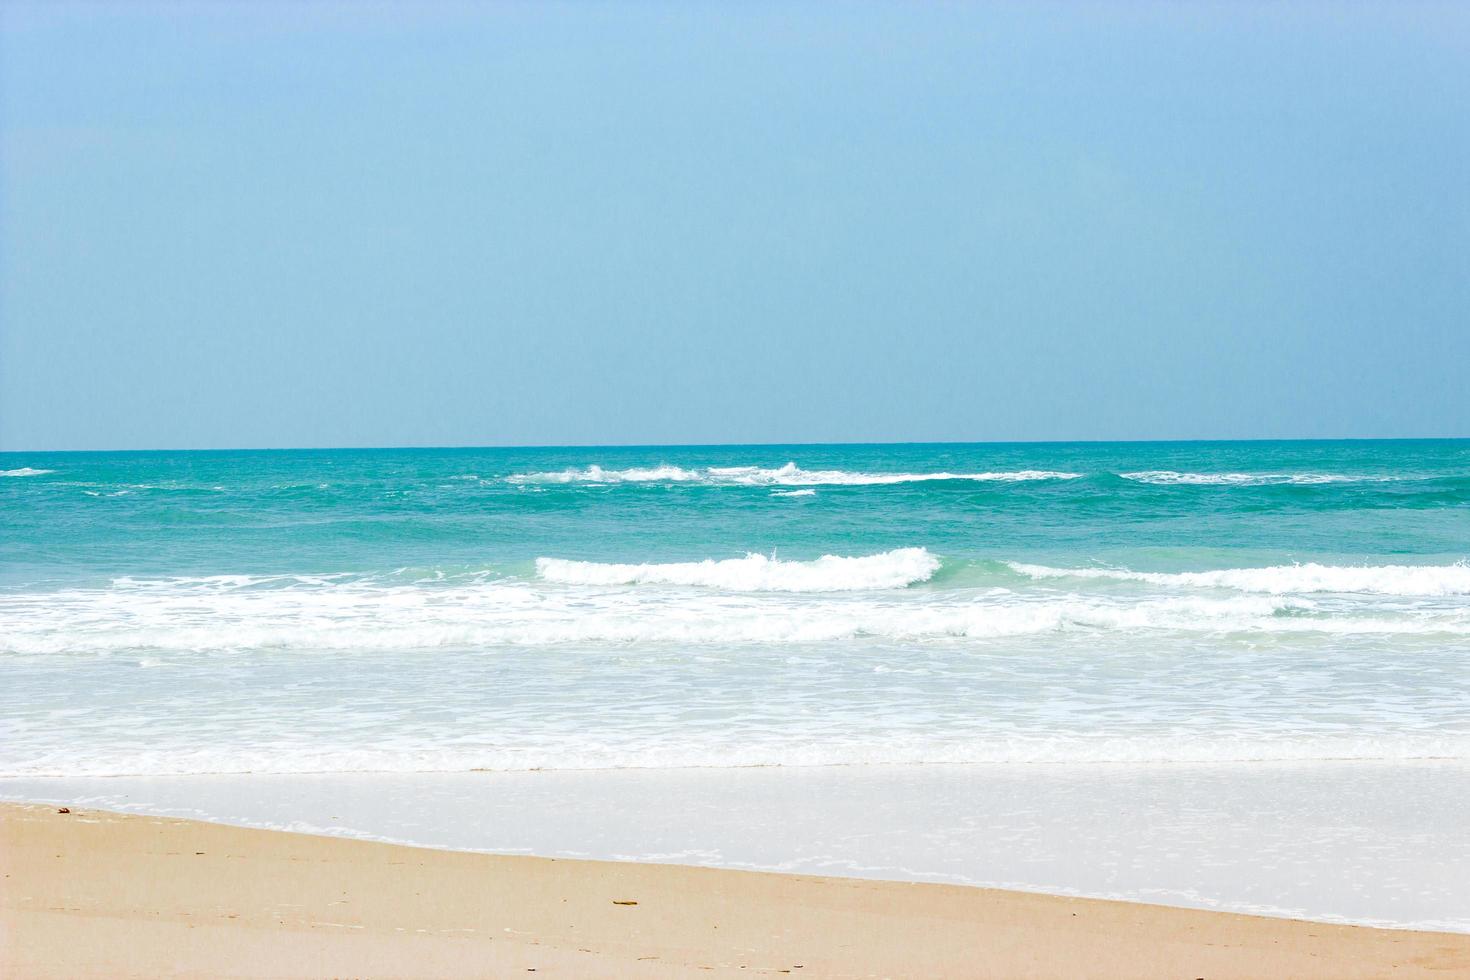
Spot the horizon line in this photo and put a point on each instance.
(733, 445)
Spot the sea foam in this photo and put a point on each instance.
(706, 750)
(756, 573)
(25, 471)
(770, 604)
(1399, 580)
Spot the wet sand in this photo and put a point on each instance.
(93, 893)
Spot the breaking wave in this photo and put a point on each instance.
(25, 471)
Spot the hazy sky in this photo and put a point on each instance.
(284, 225)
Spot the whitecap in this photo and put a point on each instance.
(25, 471)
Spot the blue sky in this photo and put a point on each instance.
(314, 225)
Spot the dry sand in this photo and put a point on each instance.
(94, 893)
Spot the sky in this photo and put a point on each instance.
(273, 224)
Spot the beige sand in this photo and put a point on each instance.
(103, 894)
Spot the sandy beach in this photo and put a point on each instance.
(95, 893)
(662, 490)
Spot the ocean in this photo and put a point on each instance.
(508, 609)
(1223, 675)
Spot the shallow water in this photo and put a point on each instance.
(448, 610)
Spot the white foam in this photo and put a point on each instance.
(25, 471)
(788, 475)
(756, 573)
(710, 750)
(794, 493)
(1399, 580)
(610, 606)
(1171, 477)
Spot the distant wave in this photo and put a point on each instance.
(1172, 478)
(789, 475)
(792, 475)
(25, 471)
(794, 493)
(756, 573)
(1401, 580)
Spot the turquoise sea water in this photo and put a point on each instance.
(414, 610)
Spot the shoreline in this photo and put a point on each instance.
(96, 892)
(1377, 846)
